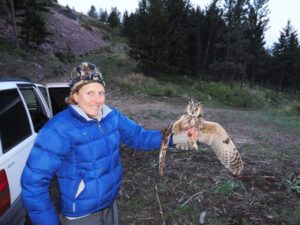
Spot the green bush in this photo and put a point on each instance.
(296, 108)
(58, 71)
(10, 48)
(230, 95)
(106, 36)
(66, 56)
(168, 91)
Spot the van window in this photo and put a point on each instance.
(37, 111)
(43, 90)
(14, 123)
(57, 96)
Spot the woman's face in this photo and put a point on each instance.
(90, 98)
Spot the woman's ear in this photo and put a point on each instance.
(75, 97)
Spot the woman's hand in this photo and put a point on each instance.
(193, 133)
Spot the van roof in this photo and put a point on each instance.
(13, 78)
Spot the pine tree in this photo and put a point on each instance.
(33, 26)
(233, 65)
(256, 25)
(178, 34)
(195, 40)
(92, 12)
(149, 46)
(126, 24)
(286, 59)
(157, 37)
(114, 17)
(129, 28)
(293, 63)
(103, 15)
(212, 29)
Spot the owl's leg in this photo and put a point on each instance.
(195, 145)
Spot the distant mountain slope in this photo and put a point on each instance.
(68, 32)
(70, 29)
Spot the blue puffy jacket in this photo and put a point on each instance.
(84, 154)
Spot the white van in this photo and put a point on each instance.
(24, 108)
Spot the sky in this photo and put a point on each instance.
(280, 12)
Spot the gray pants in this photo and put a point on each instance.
(107, 216)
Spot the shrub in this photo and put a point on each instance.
(168, 91)
(296, 108)
(229, 94)
(133, 82)
(66, 57)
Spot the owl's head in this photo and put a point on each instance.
(194, 109)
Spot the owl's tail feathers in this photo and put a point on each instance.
(163, 149)
(235, 163)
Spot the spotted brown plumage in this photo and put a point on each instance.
(210, 133)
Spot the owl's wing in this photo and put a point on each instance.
(215, 135)
(178, 125)
(163, 149)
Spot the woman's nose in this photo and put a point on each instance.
(99, 97)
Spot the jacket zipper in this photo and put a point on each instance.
(100, 127)
(74, 202)
(102, 132)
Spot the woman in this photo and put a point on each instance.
(80, 145)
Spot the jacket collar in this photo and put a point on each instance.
(105, 110)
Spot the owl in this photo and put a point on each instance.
(210, 133)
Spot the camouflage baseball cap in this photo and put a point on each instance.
(85, 73)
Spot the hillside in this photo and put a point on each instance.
(72, 33)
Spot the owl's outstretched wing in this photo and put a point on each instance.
(163, 149)
(215, 135)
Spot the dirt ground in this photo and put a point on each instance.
(196, 188)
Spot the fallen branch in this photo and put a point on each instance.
(196, 195)
(269, 177)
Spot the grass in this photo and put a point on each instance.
(276, 117)
(227, 187)
(294, 216)
(121, 74)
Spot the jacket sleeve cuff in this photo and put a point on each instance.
(179, 138)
